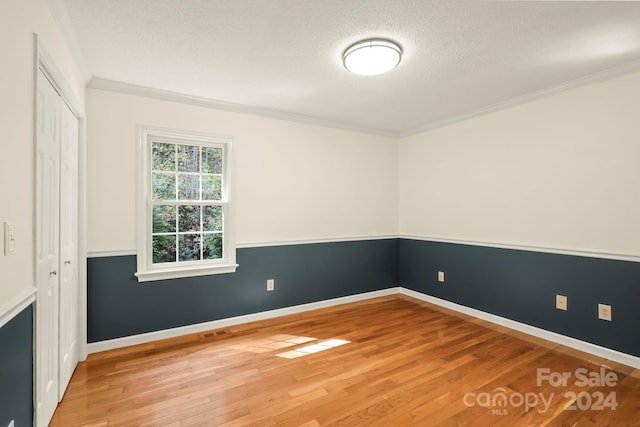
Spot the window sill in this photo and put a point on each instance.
(177, 273)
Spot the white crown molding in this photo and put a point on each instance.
(148, 92)
(232, 321)
(131, 89)
(591, 253)
(597, 77)
(584, 346)
(15, 306)
(61, 18)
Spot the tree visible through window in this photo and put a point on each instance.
(186, 182)
(186, 201)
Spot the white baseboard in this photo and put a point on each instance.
(584, 346)
(232, 321)
(587, 347)
(15, 306)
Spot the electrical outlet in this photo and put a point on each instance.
(271, 284)
(441, 276)
(561, 302)
(604, 312)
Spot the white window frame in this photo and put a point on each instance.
(146, 270)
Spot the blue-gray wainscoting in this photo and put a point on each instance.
(16, 370)
(119, 306)
(522, 285)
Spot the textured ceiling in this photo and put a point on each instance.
(284, 56)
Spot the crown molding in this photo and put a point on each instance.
(163, 95)
(148, 92)
(593, 78)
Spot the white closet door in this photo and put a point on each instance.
(47, 248)
(68, 352)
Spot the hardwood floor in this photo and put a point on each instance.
(405, 363)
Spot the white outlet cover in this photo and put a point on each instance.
(440, 276)
(561, 302)
(270, 284)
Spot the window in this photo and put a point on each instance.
(184, 212)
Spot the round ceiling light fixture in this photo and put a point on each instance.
(372, 57)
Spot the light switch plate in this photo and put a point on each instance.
(561, 302)
(441, 276)
(9, 238)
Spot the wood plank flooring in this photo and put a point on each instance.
(400, 362)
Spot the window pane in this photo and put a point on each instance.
(212, 246)
(188, 218)
(163, 157)
(188, 187)
(164, 219)
(163, 186)
(188, 158)
(164, 249)
(211, 187)
(212, 220)
(189, 247)
(211, 160)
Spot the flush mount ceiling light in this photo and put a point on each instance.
(372, 57)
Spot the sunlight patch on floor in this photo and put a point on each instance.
(313, 348)
(276, 342)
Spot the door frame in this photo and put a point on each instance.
(45, 63)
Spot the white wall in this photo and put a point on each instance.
(293, 181)
(19, 19)
(560, 172)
